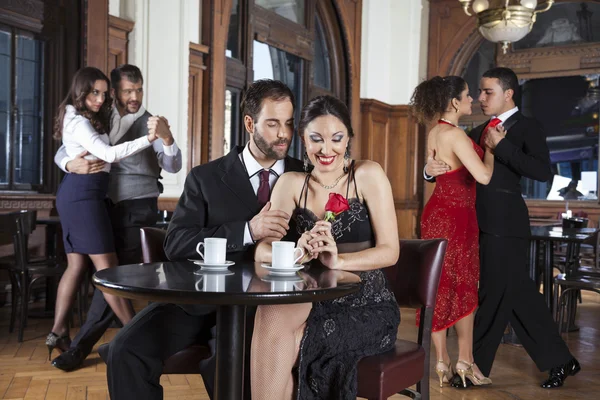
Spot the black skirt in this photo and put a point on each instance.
(82, 207)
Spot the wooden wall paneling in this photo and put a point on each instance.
(118, 38)
(393, 141)
(195, 96)
(215, 23)
(96, 34)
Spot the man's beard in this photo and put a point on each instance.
(267, 148)
(124, 106)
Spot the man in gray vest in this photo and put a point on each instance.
(133, 191)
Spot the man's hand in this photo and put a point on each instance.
(80, 165)
(433, 167)
(269, 223)
(494, 136)
(159, 126)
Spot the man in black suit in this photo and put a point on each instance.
(227, 198)
(506, 292)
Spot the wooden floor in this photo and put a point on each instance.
(25, 372)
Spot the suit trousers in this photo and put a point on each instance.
(136, 355)
(127, 217)
(507, 294)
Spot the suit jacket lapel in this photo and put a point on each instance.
(236, 179)
(510, 122)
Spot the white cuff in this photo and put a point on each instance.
(247, 236)
(427, 177)
(63, 164)
(170, 150)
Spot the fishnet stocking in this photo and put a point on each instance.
(278, 331)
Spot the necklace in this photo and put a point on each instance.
(334, 184)
(448, 122)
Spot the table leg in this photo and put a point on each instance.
(231, 331)
(548, 261)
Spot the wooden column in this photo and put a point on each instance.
(96, 34)
(118, 39)
(350, 12)
(197, 154)
(215, 23)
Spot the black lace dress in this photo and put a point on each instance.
(340, 332)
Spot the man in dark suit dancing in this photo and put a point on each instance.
(228, 198)
(506, 292)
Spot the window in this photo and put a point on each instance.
(290, 9)
(567, 108)
(321, 63)
(296, 41)
(21, 110)
(272, 63)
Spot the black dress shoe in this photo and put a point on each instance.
(559, 374)
(456, 382)
(69, 360)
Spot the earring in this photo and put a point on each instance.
(305, 159)
(346, 160)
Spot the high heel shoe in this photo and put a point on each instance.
(465, 373)
(444, 374)
(61, 342)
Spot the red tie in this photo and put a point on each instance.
(493, 123)
(264, 190)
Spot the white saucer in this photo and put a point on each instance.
(213, 267)
(282, 271)
(213, 272)
(282, 278)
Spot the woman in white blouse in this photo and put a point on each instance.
(83, 125)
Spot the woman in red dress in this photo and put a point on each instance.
(450, 214)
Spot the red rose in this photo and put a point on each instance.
(336, 205)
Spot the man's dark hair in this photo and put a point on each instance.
(261, 90)
(127, 71)
(507, 77)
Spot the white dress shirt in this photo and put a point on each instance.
(79, 135)
(253, 168)
(120, 126)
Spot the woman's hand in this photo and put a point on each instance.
(308, 249)
(323, 244)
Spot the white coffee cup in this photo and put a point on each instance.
(283, 254)
(212, 283)
(283, 286)
(215, 250)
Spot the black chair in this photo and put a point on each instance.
(23, 273)
(187, 360)
(414, 280)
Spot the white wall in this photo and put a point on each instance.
(159, 46)
(394, 49)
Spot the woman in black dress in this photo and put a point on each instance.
(83, 125)
(325, 340)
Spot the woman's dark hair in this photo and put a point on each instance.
(127, 71)
(264, 89)
(431, 97)
(82, 85)
(325, 105)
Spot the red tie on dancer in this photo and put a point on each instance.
(492, 124)
(264, 190)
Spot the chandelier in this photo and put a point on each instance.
(505, 21)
